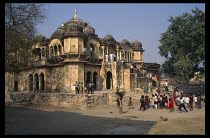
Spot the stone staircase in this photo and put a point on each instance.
(191, 88)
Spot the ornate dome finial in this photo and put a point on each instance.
(75, 14)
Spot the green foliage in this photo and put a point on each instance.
(20, 27)
(183, 45)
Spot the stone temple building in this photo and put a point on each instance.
(74, 52)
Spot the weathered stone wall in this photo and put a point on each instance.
(68, 100)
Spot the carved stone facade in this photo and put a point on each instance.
(75, 53)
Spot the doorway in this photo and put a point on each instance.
(16, 86)
(95, 79)
(109, 80)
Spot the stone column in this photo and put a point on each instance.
(120, 54)
(117, 54)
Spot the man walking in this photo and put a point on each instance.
(76, 87)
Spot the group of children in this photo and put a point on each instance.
(164, 102)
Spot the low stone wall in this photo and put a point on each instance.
(68, 100)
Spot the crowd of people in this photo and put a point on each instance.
(88, 88)
(163, 101)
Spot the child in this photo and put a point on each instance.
(170, 105)
(156, 101)
(142, 103)
(147, 100)
(120, 107)
(130, 103)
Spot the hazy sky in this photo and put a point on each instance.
(144, 21)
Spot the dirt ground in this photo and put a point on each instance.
(102, 120)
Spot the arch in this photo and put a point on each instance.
(16, 86)
(95, 79)
(36, 80)
(108, 80)
(55, 50)
(42, 81)
(59, 50)
(30, 82)
(51, 51)
(43, 52)
(92, 50)
(88, 78)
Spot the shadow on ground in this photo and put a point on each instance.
(23, 121)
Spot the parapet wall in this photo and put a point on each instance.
(69, 100)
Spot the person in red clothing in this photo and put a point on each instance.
(170, 105)
(191, 102)
(174, 97)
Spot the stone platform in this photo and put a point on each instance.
(68, 100)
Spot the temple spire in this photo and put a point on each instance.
(75, 14)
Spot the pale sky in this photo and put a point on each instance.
(143, 21)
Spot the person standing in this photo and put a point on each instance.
(152, 101)
(142, 102)
(130, 104)
(191, 102)
(92, 87)
(156, 101)
(170, 105)
(153, 81)
(182, 105)
(81, 87)
(107, 57)
(187, 100)
(199, 101)
(124, 64)
(147, 101)
(175, 92)
(131, 68)
(118, 100)
(195, 100)
(117, 89)
(166, 85)
(111, 57)
(120, 106)
(76, 87)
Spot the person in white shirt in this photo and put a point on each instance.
(156, 101)
(182, 105)
(131, 68)
(166, 85)
(195, 100)
(187, 100)
(107, 57)
(111, 57)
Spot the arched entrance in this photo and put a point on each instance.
(30, 82)
(36, 80)
(108, 80)
(42, 81)
(95, 79)
(88, 79)
(16, 86)
(92, 51)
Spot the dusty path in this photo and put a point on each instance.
(101, 120)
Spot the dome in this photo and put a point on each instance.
(57, 34)
(46, 40)
(88, 28)
(79, 22)
(125, 42)
(39, 38)
(102, 41)
(72, 29)
(90, 31)
(136, 43)
(108, 38)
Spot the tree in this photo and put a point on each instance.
(20, 28)
(183, 45)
